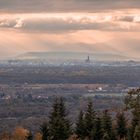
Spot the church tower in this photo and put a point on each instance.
(88, 59)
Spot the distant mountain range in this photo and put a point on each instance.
(67, 56)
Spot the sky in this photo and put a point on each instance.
(98, 26)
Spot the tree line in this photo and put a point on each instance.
(90, 125)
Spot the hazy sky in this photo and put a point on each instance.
(70, 25)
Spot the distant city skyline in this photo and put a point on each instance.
(96, 26)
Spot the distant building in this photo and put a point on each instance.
(87, 60)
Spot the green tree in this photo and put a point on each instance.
(129, 134)
(98, 131)
(59, 125)
(121, 126)
(80, 126)
(44, 131)
(107, 128)
(89, 120)
(137, 133)
(132, 102)
(136, 118)
(106, 136)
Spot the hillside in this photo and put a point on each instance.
(72, 56)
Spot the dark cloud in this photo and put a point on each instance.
(56, 25)
(60, 25)
(127, 18)
(68, 23)
(65, 5)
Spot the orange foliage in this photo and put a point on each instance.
(19, 134)
(38, 136)
(5, 136)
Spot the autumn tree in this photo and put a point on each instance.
(38, 136)
(5, 136)
(19, 134)
(29, 136)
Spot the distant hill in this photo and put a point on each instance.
(77, 56)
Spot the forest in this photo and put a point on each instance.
(90, 124)
(125, 75)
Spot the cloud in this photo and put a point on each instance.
(69, 25)
(126, 18)
(65, 5)
(70, 22)
(19, 23)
